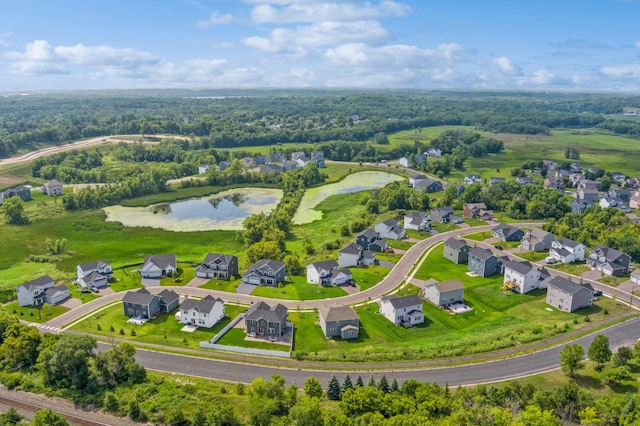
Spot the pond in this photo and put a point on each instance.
(355, 182)
(223, 211)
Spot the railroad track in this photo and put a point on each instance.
(72, 418)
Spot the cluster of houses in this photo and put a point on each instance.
(52, 188)
(274, 163)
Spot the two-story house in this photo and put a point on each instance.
(141, 303)
(476, 211)
(428, 185)
(355, 255)
(328, 273)
(24, 192)
(32, 293)
(265, 272)
(568, 296)
(205, 312)
(318, 158)
(564, 250)
(471, 179)
(522, 276)
(554, 183)
(405, 310)
(506, 232)
(266, 321)
(536, 239)
(390, 229)
(610, 261)
(220, 266)
(418, 221)
(445, 215)
(340, 321)
(158, 265)
(94, 274)
(370, 240)
(52, 188)
(456, 250)
(444, 293)
(482, 262)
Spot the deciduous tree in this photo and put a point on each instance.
(571, 359)
(599, 350)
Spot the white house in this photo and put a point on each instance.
(404, 161)
(564, 250)
(434, 152)
(522, 275)
(55, 295)
(635, 276)
(417, 221)
(471, 179)
(156, 266)
(52, 188)
(417, 178)
(327, 273)
(354, 255)
(203, 168)
(406, 310)
(94, 274)
(390, 229)
(205, 312)
(32, 293)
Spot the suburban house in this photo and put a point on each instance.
(445, 215)
(24, 192)
(94, 274)
(224, 164)
(506, 232)
(471, 179)
(456, 250)
(428, 185)
(203, 168)
(169, 300)
(277, 157)
(482, 262)
(444, 293)
(264, 320)
(496, 180)
(588, 195)
(434, 152)
(523, 276)
(260, 160)
(564, 250)
(289, 165)
(477, 211)
(391, 229)
(328, 273)
(413, 180)
(52, 188)
(32, 293)
(370, 240)
(525, 180)
(418, 221)
(635, 276)
(318, 158)
(579, 206)
(205, 312)
(575, 167)
(158, 265)
(141, 304)
(614, 203)
(618, 177)
(405, 310)
(536, 239)
(610, 261)
(568, 296)
(340, 321)
(554, 183)
(355, 255)
(221, 266)
(265, 272)
(272, 168)
(620, 193)
(549, 164)
(55, 295)
(248, 162)
(404, 162)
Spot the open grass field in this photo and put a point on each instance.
(164, 330)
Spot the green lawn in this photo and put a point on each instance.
(222, 285)
(533, 256)
(474, 222)
(418, 235)
(400, 244)
(614, 281)
(236, 337)
(506, 245)
(576, 268)
(477, 236)
(164, 330)
(74, 292)
(299, 289)
(368, 276)
(444, 227)
(27, 313)
(125, 280)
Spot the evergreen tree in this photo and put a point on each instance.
(383, 384)
(347, 384)
(333, 389)
(359, 382)
(372, 381)
(394, 385)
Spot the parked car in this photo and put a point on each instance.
(549, 260)
(95, 289)
(499, 247)
(597, 293)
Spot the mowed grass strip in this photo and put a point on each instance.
(299, 289)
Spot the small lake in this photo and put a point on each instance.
(355, 182)
(223, 211)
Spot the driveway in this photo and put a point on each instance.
(197, 282)
(151, 282)
(245, 288)
(71, 303)
(592, 275)
(386, 263)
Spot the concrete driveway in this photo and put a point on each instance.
(591, 275)
(150, 282)
(245, 288)
(71, 303)
(197, 282)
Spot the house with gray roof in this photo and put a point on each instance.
(271, 168)
(169, 300)
(536, 239)
(418, 221)
(568, 296)
(265, 272)
(610, 261)
(266, 321)
(564, 250)
(390, 229)
(371, 240)
(506, 232)
(23, 191)
(93, 274)
(56, 295)
(445, 215)
(444, 293)
(355, 255)
(158, 266)
(328, 273)
(402, 310)
(32, 293)
(482, 262)
(52, 188)
(141, 304)
(340, 321)
(496, 180)
(456, 250)
(205, 312)
(523, 276)
(219, 266)
(318, 158)
(428, 185)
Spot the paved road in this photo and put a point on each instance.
(545, 360)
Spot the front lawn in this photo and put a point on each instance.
(576, 268)
(299, 289)
(236, 337)
(27, 313)
(400, 244)
(474, 222)
(418, 235)
(444, 227)
(369, 276)
(222, 285)
(614, 281)
(125, 280)
(533, 256)
(477, 236)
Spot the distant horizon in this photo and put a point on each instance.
(320, 44)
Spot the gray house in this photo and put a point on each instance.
(265, 272)
(340, 321)
(482, 262)
(610, 261)
(444, 215)
(263, 320)
(141, 303)
(169, 300)
(370, 240)
(506, 232)
(221, 266)
(536, 239)
(568, 296)
(444, 293)
(456, 250)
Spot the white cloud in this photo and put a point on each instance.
(638, 44)
(393, 56)
(329, 33)
(290, 12)
(542, 77)
(39, 57)
(622, 70)
(216, 19)
(505, 65)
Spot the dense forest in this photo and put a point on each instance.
(248, 118)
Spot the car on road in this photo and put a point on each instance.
(499, 247)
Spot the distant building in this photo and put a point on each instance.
(53, 188)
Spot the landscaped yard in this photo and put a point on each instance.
(164, 330)
(533, 256)
(222, 285)
(477, 236)
(27, 313)
(444, 227)
(236, 337)
(614, 281)
(400, 244)
(576, 268)
(368, 276)
(299, 289)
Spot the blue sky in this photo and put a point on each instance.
(461, 44)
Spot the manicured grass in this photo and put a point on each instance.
(477, 236)
(614, 281)
(474, 222)
(444, 227)
(506, 245)
(74, 292)
(533, 256)
(368, 276)
(418, 235)
(576, 268)
(222, 285)
(27, 313)
(185, 273)
(164, 330)
(400, 244)
(125, 279)
(299, 289)
(236, 337)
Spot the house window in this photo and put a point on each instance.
(561, 300)
(332, 330)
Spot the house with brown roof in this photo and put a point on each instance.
(340, 321)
